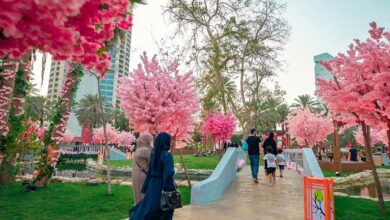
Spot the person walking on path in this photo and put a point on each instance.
(271, 165)
(270, 142)
(281, 161)
(140, 165)
(159, 178)
(254, 153)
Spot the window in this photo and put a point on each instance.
(58, 68)
(51, 80)
(55, 90)
(51, 85)
(56, 85)
(56, 79)
(58, 73)
(49, 91)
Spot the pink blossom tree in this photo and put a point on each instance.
(375, 135)
(67, 138)
(359, 93)
(220, 127)
(112, 135)
(309, 128)
(126, 139)
(157, 99)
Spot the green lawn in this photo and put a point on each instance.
(69, 201)
(328, 173)
(352, 208)
(191, 162)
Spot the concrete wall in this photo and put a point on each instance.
(212, 188)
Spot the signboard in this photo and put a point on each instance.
(319, 198)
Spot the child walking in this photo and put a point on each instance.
(270, 165)
(281, 161)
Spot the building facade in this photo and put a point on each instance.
(120, 57)
(319, 70)
(56, 78)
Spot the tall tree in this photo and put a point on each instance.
(89, 112)
(227, 36)
(119, 120)
(305, 101)
(359, 93)
(159, 99)
(37, 108)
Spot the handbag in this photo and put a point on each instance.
(245, 145)
(170, 200)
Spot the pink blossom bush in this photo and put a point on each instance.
(375, 135)
(67, 138)
(309, 128)
(220, 127)
(158, 99)
(112, 135)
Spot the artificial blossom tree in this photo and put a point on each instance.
(309, 128)
(219, 127)
(359, 93)
(157, 99)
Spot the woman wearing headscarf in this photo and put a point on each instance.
(159, 178)
(140, 166)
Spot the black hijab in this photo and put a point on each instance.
(162, 143)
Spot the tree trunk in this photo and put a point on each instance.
(5, 169)
(336, 149)
(7, 82)
(185, 168)
(49, 157)
(367, 141)
(108, 159)
(388, 138)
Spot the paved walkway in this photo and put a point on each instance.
(246, 200)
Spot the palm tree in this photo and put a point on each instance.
(283, 111)
(89, 112)
(305, 101)
(119, 120)
(37, 108)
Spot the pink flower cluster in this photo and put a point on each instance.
(359, 91)
(67, 138)
(376, 136)
(113, 136)
(309, 128)
(66, 98)
(220, 127)
(158, 99)
(70, 30)
(8, 76)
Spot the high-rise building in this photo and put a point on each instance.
(319, 70)
(56, 78)
(120, 57)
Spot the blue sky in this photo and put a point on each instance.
(317, 26)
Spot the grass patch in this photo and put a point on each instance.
(69, 201)
(328, 173)
(353, 208)
(191, 162)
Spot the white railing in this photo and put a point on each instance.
(303, 161)
(78, 149)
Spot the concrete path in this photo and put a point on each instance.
(246, 200)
